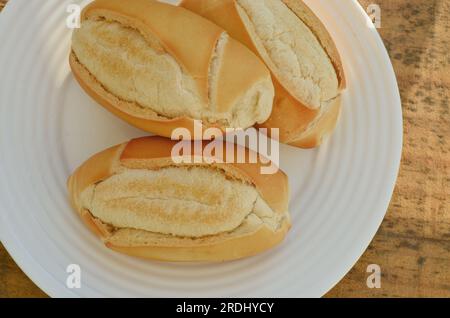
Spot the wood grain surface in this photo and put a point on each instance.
(412, 247)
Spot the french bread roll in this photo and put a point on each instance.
(306, 67)
(161, 67)
(140, 203)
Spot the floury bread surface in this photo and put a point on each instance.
(291, 50)
(159, 67)
(305, 64)
(180, 201)
(140, 203)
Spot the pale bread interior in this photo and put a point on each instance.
(127, 237)
(178, 202)
(291, 50)
(139, 70)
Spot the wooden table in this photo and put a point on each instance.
(412, 247)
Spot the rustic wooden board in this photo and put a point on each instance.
(412, 246)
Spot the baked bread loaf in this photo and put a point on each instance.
(140, 203)
(305, 64)
(160, 67)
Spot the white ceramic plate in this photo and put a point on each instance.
(48, 126)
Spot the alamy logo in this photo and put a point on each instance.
(374, 279)
(223, 148)
(374, 12)
(73, 21)
(73, 280)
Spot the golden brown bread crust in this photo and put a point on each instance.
(154, 153)
(225, 14)
(159, 19)
(226, 250)
(299, 124)
(161, 127)
(233, 248)
(192, 44)
(313, 22)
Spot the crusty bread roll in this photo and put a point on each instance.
(160, 67)
(140, 203)
(305, 64)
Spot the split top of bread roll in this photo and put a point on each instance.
(153, 63)
(288, 37)
(141, 203)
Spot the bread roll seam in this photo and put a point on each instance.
(282, 219)
(300, 75)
